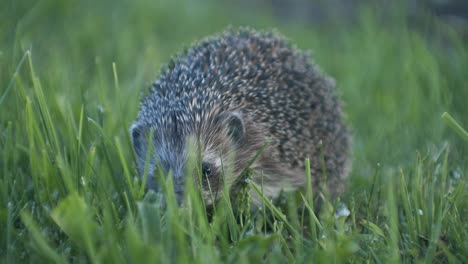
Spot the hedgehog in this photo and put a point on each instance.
(234, 93)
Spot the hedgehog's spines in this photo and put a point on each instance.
(277, 92)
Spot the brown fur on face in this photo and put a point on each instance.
(227, 156)
(229, 159)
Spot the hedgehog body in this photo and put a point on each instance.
(234, 92)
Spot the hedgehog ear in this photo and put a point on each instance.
(235, 126)
(139, 135)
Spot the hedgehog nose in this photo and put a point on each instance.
(179, 197)
(178, 192)
(151, 183)
(178, 188)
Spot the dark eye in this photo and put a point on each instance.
(206, 170)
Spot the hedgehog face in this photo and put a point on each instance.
(220, 140)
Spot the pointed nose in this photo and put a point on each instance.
(173, 167)
(179, 186)
(151, 183)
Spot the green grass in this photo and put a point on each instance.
(72, 73)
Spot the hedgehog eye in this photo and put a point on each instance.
(206, 170)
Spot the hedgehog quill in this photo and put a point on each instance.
(233, 92)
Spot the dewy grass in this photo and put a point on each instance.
(70, 191)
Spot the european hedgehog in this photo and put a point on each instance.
(234, 92)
